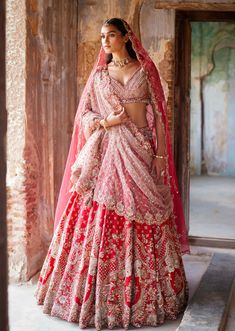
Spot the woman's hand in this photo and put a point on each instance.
(115, 118)
(159, 165)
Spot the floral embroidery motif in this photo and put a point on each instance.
(105, 271)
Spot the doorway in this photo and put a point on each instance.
(205, 122)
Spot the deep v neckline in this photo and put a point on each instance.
(128, 80)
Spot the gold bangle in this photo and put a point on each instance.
(96, 122)
(159, 156)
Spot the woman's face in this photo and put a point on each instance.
(112, 39)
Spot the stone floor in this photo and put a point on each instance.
(230, 326)
(26, 315)
(212, 207)
(230, 323)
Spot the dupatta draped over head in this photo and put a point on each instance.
(85, 161)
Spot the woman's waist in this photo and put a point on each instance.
(136, 113)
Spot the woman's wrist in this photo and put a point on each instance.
(104, 123)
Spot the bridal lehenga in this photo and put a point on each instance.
(115, 257)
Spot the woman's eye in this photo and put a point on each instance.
(112, 35)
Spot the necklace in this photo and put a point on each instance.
(121, 63)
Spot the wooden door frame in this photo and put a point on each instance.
(182, 108)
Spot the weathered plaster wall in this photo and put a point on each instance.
(15, 68)
(213, 74)
(157, 32)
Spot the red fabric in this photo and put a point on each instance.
(106, 271)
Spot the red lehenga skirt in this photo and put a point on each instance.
(105, 271)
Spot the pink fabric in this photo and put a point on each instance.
(114, 168)
(135, 89)
(96, 103)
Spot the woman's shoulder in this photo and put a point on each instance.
(99, 74)
(101, 68)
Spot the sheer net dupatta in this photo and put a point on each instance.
(81, 129)
(85, 122)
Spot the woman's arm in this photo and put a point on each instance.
(160, 157)
(114, 118)
(161, 138)
(90, 118)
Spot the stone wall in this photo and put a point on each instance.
(16, 85)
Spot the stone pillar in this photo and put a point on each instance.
(15, 78)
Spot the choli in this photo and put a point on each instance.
(134, 90)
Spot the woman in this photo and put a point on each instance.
(115, 257)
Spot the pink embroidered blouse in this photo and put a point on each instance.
(135, 89)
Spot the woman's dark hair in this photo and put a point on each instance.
(118, 23)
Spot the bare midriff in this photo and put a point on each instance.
(137, 113)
